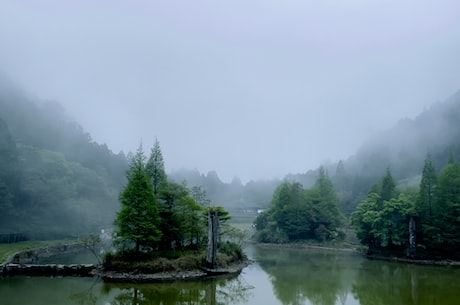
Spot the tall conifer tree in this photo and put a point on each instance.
(426, 197)
(156, 168)
(138, 220)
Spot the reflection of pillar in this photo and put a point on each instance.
(135, 300)
(211, 293)
(213, 225)
(414, 285)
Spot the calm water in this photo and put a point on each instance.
(279, 276)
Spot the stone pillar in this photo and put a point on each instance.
(412, 237)
(213, 229)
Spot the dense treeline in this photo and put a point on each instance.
(301, 214)
(158, 214)
(55, 182)
(419, 223)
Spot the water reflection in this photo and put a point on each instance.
(280, 276)
(212, 292)
(379, 283)
(321, 277)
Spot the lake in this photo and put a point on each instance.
(279, 275)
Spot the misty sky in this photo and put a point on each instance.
(254, 89)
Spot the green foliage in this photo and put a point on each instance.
(381, 219)
(138, 219)
(126, 262)
(363, 220)
(182, 221)
(235, 235)
(155, 168)
(232, 249)
(384, 224)
(447, 211)
(388, 190)
(298, 214)
(426, 203)
(55, 182)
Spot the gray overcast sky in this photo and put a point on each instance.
(248, 88)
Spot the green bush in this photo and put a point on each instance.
(232, 250)
(127, 262)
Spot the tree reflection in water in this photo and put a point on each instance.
(217, 291)
(379, 283)
(297, 275)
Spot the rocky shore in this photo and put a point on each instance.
(137, 277)
(84, 270)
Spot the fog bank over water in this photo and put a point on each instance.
(251, 89)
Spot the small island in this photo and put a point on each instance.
(166, 232)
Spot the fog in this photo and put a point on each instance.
(254, 89)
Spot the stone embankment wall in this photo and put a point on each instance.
(47, 270)
(27, 263)
(33, 256)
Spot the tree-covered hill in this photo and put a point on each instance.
(405, 146)
(54, 180)
(402, 148)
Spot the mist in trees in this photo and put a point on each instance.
(383, 220)
(233, 196)
(55, 182)
(296, 213)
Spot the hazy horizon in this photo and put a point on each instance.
(253, 89)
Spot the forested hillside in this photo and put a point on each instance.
(54, 180)
(403, 149)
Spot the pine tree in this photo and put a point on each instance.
(156, 168)
(426, 201)
(388, 187)
(329, 202)
(447, 211)
(138, 220)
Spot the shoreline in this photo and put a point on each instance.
(305, 246)
(407, 260)
(25, 263)
(404, 260)
(170, 276)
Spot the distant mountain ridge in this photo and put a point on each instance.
(404, 147)
(55, 181)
